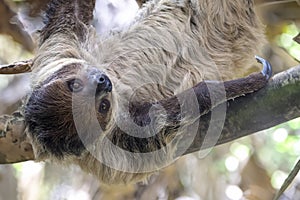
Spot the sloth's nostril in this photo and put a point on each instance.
(103, 84)
(101, 79)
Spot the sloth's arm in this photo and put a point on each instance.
(212, 93)
(209, 94)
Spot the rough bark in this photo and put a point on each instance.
(14, 144)
(277, 103)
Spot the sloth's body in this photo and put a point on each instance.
(170, 47)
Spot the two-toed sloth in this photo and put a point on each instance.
(109, 105)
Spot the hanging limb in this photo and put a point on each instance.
(17, 67)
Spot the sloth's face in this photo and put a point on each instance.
(62, 109)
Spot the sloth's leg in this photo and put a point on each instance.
(249, 84)
(212, 93)
(209, 94)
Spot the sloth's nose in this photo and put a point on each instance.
(99, 80)
(103, 83)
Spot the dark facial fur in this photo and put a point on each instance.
(51, 107)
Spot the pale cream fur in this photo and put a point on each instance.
(171, 46)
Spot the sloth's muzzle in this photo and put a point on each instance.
(103, 84)
(101, 81)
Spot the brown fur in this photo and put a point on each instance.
(171, 46)
(141, 2)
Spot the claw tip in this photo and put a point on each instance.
(267, 68)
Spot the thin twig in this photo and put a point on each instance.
(17, 67)
(288, 180)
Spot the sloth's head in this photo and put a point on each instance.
(72, 94)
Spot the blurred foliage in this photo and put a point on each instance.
(285, 40)
(248, 168)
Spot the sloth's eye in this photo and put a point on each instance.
(75, 85)
(104, 106)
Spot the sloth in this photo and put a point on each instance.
(118, 106)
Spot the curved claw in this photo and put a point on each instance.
(267, 67)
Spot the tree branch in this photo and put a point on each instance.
(276, 103)
(14, 144)
(17, 67)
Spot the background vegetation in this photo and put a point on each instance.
(249, 168)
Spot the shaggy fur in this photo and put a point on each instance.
(170, 47)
